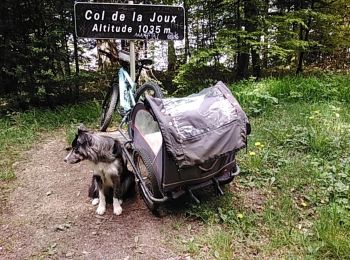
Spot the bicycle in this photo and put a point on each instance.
(123, 89)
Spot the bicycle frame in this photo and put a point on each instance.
(127, 88)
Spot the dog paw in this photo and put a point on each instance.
(101, 210)
(120, 202)
(117, 211)
(95, 201)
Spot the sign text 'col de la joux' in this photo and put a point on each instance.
(129, 21)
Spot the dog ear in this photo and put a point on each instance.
(85, 138)
(82, 129)
(74, 142)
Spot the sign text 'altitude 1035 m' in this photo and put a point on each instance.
(129, 21)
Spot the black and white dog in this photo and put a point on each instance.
(111, 176)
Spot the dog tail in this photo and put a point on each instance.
(93, 189)
(128, 184)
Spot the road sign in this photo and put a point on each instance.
(129, 21)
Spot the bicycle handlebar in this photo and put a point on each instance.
(141, 63)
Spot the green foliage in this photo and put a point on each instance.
(236, 39)
(34, 46)
(190, 75)
(214, 210)
(7, 175)
(332, 231)
(304, 164)
(255, 97)
(315, 88)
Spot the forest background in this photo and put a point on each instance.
(229, 40)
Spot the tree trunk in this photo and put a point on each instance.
(76, 56)
(187, 43)
(250, 11)
(239, 66)
(66, 60)
(304, 37)
(77, 71)
(301, 54)
(171, 57)
(264, 49)
(251, 24)
(256, 64)
(108, 46)
(242, 69)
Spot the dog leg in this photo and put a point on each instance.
(117, 202)
(101, 209)
(117, 209)
(95, 201)
(93, 189)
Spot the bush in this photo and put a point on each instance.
(257, 96)
(200, 72)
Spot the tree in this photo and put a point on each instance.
(35, 52)
(253, 37)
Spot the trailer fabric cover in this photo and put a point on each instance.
(201, 126)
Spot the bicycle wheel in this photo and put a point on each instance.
(148, 89)
(145, 169)
(108, 106)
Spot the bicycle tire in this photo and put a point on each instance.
(108, 106)
(147, 173)
(148, 86)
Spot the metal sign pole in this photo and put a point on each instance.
(132, 56)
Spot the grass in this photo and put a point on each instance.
(18, 131)
(292, 199)
(256, 97)
(297, 165)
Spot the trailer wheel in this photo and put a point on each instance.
(144, 166)
(234, 172)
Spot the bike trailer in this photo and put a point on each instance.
(181, 144)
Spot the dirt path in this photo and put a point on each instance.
(49, 215)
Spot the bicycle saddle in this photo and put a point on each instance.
(145, 62)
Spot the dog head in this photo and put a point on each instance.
(93, 147)
(79, 146)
